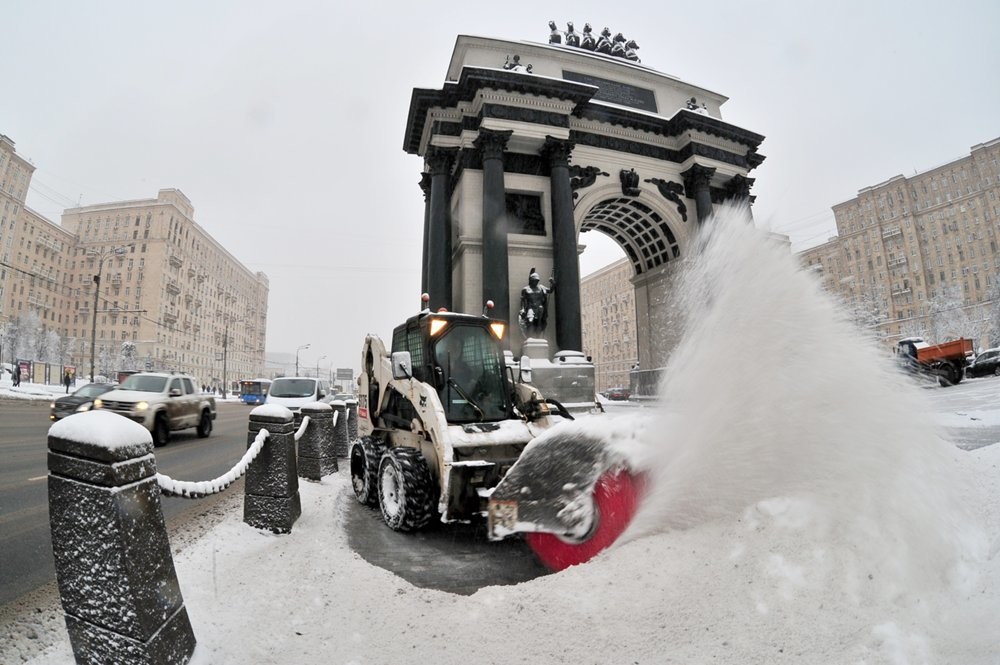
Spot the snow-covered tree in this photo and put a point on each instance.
(947, 316)
(127, 357)
(992, 327)
(48, 346)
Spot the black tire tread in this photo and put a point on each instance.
(417, 502)
(369, 452)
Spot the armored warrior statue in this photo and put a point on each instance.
(534, 311)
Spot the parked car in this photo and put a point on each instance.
(619, 393)
(82, 399)
(986, 363)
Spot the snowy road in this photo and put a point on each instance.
(969, 412)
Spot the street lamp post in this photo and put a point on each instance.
(103, 254)
(304, 346)
(317, 365)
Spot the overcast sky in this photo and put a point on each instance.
(283, 122)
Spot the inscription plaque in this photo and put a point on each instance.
(616, 92)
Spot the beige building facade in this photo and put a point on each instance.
(608, 320)
(906, 247)
(167, 288)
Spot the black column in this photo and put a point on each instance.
(738, 189)
(697, 186)
(566, 262)
(425, 187)
(439, 230)
(496, 266)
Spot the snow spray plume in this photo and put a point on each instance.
(773, 395)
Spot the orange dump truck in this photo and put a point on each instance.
(946, 361)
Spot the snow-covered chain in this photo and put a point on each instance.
(302, 428)
(196, 490)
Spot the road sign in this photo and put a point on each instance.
(345, 374)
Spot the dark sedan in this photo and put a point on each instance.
(986, 363)
(81, 400)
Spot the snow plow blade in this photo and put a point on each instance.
(572, 493)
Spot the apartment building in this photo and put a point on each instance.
(608, 320)
(139, 271)
(167, 286)
(907, 245)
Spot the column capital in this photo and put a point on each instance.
(697, 177)
(440, 160)
(425, 185)
(557, 151)
(738, 187)
(492, 142)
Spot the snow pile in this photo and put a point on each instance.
(101, 428)
(804, 511)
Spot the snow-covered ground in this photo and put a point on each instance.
(806, 507)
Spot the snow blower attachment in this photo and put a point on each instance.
(569, 494)
(450, 430)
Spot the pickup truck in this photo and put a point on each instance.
(162, 403)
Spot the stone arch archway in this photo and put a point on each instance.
(655, 238)
(518, 161)
(642, 232)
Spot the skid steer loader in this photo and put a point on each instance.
(443, 416)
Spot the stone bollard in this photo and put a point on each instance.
(316, 455)
(116, 576)
(352, 419)
(272, 485)
(340, 432)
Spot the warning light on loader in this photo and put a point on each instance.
(437, 325)
(497, 328)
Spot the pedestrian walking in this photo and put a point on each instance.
(67, 380)
(17, 375)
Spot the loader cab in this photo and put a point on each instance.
(460, 355)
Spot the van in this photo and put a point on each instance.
(294, 391)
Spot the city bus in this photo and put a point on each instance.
(253, 391)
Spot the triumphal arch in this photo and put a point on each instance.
(529, 144)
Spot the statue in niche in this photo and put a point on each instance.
(555, 37)
(630, 182)
(534, 311)
(572, 38)
(587, 41)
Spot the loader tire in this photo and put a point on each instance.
(617, 495)
(365, 454)
(404, 489)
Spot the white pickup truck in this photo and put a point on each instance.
(162, 403)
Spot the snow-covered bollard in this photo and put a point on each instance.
(340, 428)
(116, 576)
(352, 419)
(316, 454)
(272, 485)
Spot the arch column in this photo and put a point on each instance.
(566, 262)
(439, 229)
(697, 185)
(425, 187)
(496, 264)
(738, 189)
